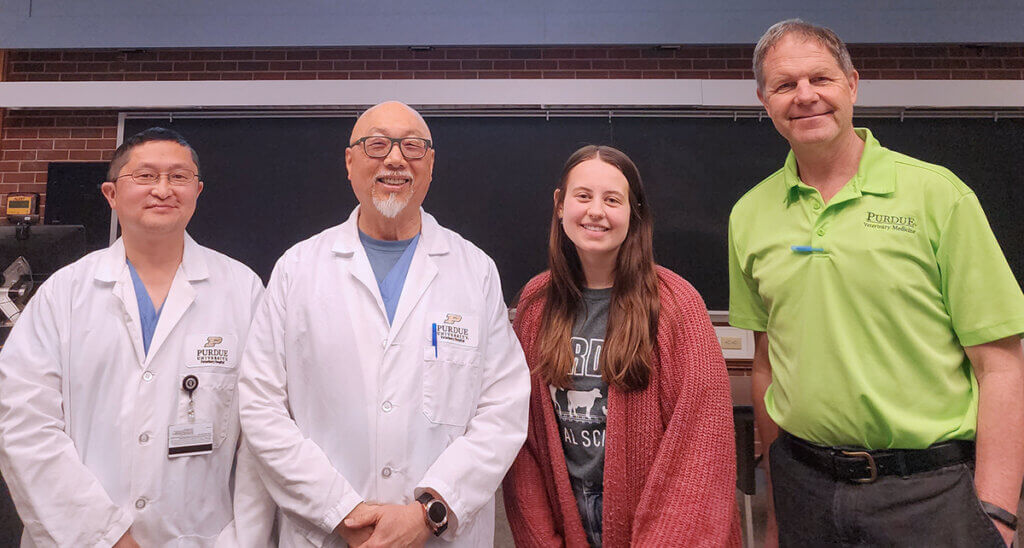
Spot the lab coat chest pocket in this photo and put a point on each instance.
(451, 384)
(214, 402)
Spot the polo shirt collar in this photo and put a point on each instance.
(876, 173)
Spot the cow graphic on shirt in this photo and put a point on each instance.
(585, 400)
(582, 407)
(586, 405)
(578, 405)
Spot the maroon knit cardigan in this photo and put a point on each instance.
(670, 454)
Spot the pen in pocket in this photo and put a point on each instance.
(433, 338)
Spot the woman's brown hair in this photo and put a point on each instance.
(626, 359)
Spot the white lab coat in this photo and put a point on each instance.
(84, 412)
(341, 407)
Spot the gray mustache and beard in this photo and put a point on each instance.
(392, 203)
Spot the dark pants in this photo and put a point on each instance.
(935, 508)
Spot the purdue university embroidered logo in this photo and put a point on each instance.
(893, 223)
(210, 355)
(448, 331)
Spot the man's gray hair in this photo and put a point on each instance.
(823, 35)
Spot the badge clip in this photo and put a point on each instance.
(189, 385)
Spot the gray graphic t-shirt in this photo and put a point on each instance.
(582, 411)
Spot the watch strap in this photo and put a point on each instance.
(441, 529)
(999, 514)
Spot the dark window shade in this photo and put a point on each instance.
(271, 182)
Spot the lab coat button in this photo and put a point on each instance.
(386, 406)
(140, 503)
(147, 376)
(143, 438)
(386, 472)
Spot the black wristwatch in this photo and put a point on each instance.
(436, 513)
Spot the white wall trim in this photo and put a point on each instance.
(491, 93)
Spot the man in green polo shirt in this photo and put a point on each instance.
(887, 324)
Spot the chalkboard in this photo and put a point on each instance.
(272, 181)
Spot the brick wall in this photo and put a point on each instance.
(33, 138)
(699, 62)
(29, 139)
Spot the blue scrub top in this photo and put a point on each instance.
(148, 315)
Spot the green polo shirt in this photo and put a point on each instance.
(866, 336)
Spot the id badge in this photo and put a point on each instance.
(189, 439)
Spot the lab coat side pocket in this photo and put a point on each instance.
(214, 403)
(451, 384)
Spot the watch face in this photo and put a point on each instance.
(436, 511)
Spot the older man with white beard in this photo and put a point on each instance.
(383, 391)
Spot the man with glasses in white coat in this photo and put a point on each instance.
(383, 392)
(118, 415)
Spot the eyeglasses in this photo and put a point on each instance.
(145, 176)
(379, 146)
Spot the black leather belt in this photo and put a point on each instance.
(863, 466)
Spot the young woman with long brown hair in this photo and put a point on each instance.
(630, 440)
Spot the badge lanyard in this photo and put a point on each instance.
(189, 385)
(191, 438)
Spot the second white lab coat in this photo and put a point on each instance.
(340, 406)
(84, 411)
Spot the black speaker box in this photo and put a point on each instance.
(73, 197)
